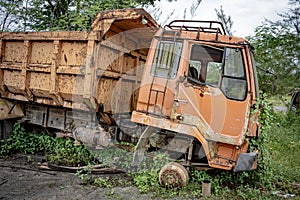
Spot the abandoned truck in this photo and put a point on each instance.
(187, 88)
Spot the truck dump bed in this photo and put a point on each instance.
(78, 70)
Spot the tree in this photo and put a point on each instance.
(167, 15)
(225, 20)
(277, 50)
(9, 14)
(291, 18)
(39, 15)
(194, 8)
(70, 14)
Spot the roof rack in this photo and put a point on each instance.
(197, 26)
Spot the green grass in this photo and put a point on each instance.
(284, 146)
(279, 100)
(284, 142)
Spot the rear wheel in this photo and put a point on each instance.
(173, 175)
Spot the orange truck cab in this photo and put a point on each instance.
(197, 97)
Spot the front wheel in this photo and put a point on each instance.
(173, 175)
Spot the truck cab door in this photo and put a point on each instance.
(156, 94)
(214, 93)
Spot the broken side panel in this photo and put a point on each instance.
(10, 109)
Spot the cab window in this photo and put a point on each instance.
(218, 67)
(234, 84)
(166, 59)
(205, 64)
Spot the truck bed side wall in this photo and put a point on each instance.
(73, 70)
(61, 68)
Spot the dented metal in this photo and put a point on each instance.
(246, 162)
(203, 85)
(96, 137)
(10, 110)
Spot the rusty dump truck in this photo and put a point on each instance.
(188, 88)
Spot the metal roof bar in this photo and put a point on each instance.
(197, 26)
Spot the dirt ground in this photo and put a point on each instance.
(20, 179)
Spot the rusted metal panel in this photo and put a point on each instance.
(56, 118)
(62, 68)
(105, 91)
(40, 84)
(134, 17)
(9, 110)
(41, 53)
(128, 62)
(108, 59)
(124, 101)
(79, 118)
(36, 114)
(14, 52)
(49, 36)
(73, 53)
(72, 89)
(14, 81)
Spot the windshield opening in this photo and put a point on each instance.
(218, 67)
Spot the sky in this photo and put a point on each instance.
(245, 14)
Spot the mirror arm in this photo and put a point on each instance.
(190, 79)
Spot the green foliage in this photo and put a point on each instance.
(121, 159)
(38, 15)
(145, 176)
(263, 175)
(284, 145)
(146, 181)
(246, 192)
(85, 175)
(114, 157)
(277, 50)
(10, 11)
(56, 150)
(28, 143)
(66, 153)
(71, 15)
(103, 182)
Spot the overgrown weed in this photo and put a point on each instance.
(56, 150)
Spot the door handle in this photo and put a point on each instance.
(184, 101)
